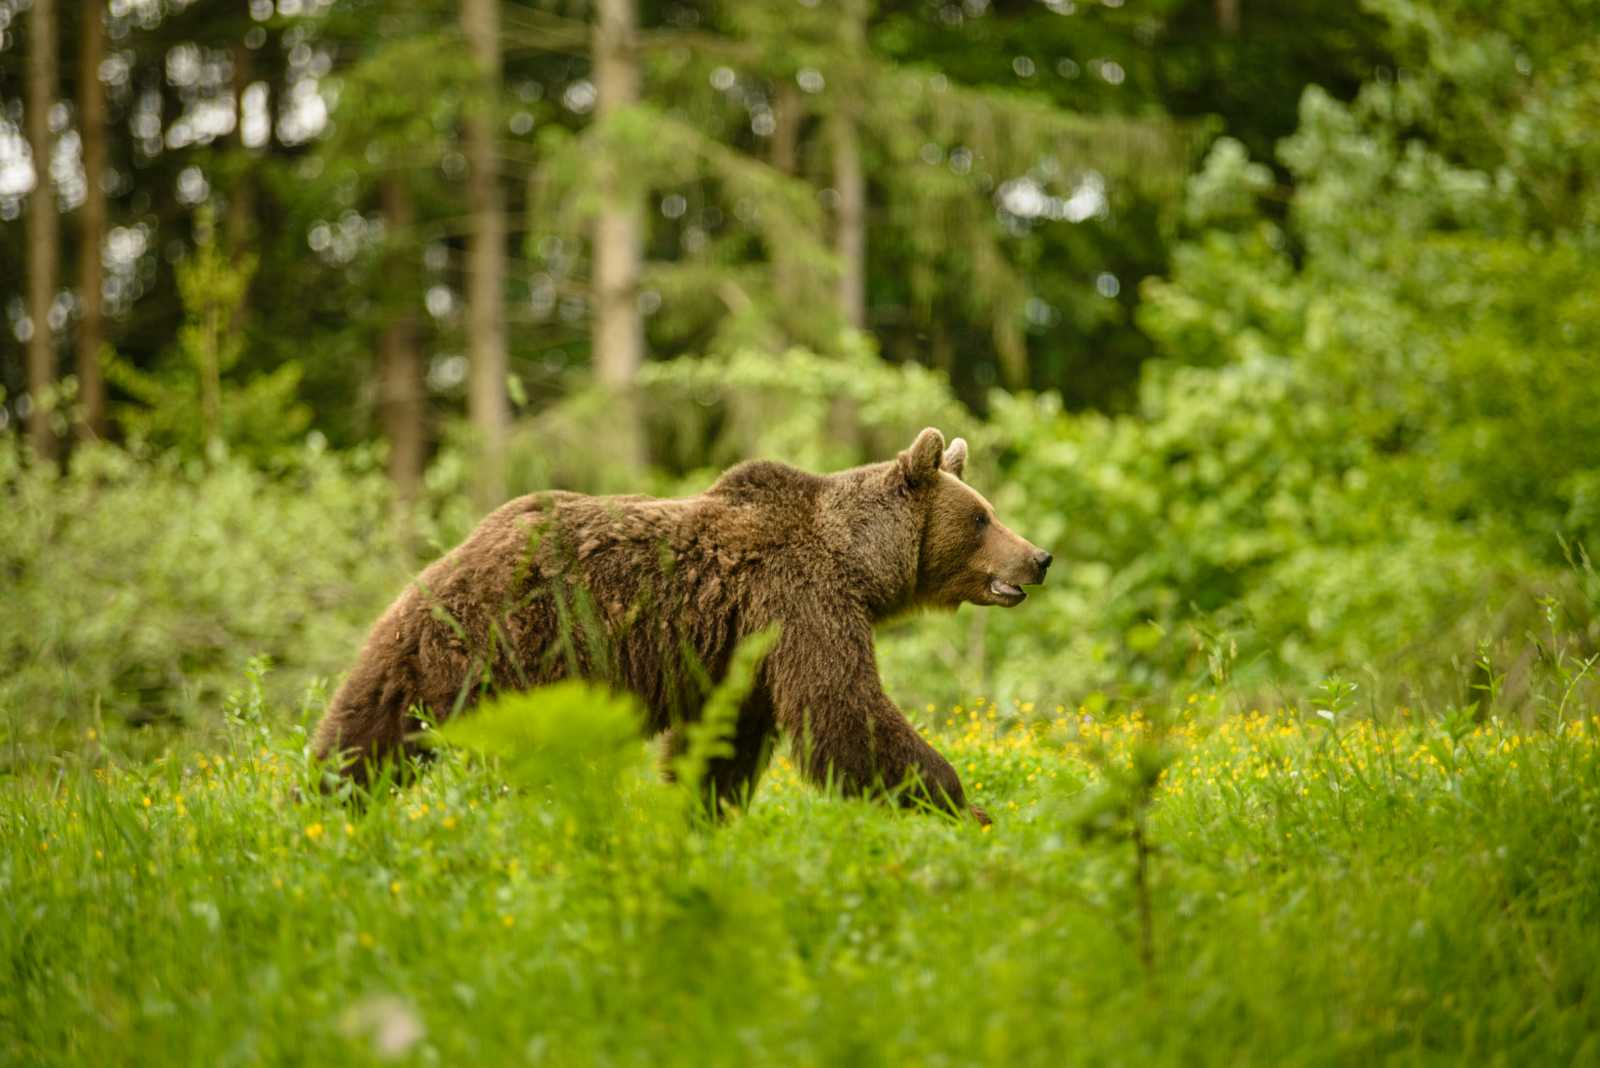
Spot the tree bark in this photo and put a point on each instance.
(787, 111)
(401, 395)
(486, 256)
(241, 197)
(92, 222)
(941, 350)
(1228, 17)
(1012, 347)
(618, 340)
(849, 181)
(850, 218)
(43, 253)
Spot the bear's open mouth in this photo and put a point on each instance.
(1005, 591)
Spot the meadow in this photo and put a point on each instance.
(1275, 323)
(1196, 883)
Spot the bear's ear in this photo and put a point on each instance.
(955, 457)
(920, 463)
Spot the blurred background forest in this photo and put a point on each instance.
(1277, 323)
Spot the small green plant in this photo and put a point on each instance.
(1118, 808)
(571, 744)
(712, 736)
(197, 402)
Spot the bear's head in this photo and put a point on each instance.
(967, 555)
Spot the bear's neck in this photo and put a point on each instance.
(874, 536)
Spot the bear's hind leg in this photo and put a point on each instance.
(368, 724)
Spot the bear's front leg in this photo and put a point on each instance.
(823, 679)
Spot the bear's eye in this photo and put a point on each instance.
(982, 520)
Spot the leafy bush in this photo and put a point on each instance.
(1372, 441)
(139, 588)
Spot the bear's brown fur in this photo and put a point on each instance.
(652, 596)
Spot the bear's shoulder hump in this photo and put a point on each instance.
(759, 481)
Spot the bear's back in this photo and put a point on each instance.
(768, 484)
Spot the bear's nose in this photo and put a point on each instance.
(1043, 560)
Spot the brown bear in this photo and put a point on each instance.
(652, 595)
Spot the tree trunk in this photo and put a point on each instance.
(241, 225)
(849, 182)
(1228, 17)
(850, 217)
(92, 220)
(43, 254)
(486, 256)
(401, 396)
(209, 347)
(618, 340)
(241, 197)
(787, 110)
(1011, 345)
(941, 350)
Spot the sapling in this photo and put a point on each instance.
(1119, 809)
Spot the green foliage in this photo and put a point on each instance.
(543, 736)
(763, 276)
(712, 737)
(1119, 807)
(1371, 439)
(193, 402)
(706, 413)
(1240, 502)
(819, 413)
(1226, 187)
(572, 745)
(137, 589)
(400, 102)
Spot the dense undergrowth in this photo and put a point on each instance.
(138, 587)
(1318, 887)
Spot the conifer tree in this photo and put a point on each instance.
(487, 401)
(618, 335)
(92, 222)
(43, 252)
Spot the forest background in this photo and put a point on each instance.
(1276, 323)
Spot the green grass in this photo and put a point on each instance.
(1412, 891)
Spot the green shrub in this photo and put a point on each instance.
(137, 589)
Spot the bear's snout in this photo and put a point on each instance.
(1042, 559)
